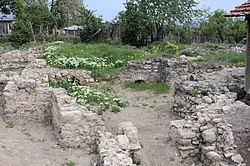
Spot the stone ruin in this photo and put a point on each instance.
(215, 126)
(26, 97)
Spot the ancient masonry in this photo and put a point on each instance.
(215, 125)
(26, 96)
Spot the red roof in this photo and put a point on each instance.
(241, 10)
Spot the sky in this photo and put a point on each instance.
(108, 9)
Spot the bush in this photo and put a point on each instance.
(21, 33)
(165, 48)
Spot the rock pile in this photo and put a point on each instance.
(122, 150)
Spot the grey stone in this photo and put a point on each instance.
(207, 100)
(209, 136)
(213, 156)
(187, 134)
(237, 158)
(123, 141)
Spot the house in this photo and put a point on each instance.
(6, 24)
(72, 30)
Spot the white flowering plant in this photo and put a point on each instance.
(94, 57)
(96, 99)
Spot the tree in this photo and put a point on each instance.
(236, 30)
(217, 25)
(66, 11)
(40, 17)
(21, 33)
(12, 7)
(91, 25)
(154, 17)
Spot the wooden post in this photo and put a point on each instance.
(247, 64)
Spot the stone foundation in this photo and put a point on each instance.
(214, 124)
(28, 98)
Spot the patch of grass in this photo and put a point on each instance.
(100, 59)
(156, 87)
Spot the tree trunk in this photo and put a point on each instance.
(247, 65)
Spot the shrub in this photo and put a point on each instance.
(21, 33)
(165, 48)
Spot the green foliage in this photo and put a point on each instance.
(194, 94)
(9, 125)
(91, 26)
(148, 19)
(12, 6)
(165, 48)
(70, 163)
(21, 33)
(101, 59)
(236, 59)
(66, 11)
(156, 87)
(97, 98)
(40, 18)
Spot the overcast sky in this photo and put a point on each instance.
(110, 8)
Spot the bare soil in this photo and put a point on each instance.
(151, 114)
(35, 145)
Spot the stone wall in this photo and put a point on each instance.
(122, 150)
(28, 98)
(73, 124)
(214, 122)
(166, 70)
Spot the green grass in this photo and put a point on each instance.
(231, 58)
(156, 87)
(101, 59)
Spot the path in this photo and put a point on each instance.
(151, 114)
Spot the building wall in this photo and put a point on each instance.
(5, 27)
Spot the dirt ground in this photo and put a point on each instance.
(35, 145)
(151, 114)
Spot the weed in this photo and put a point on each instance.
(142, 146)
(172, 158)
(194, 94)
(156, 87)
(70, 163)
(115, 109)
(9, 125)
(32, 138)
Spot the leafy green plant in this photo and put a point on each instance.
(194, 94)
(156, 87)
